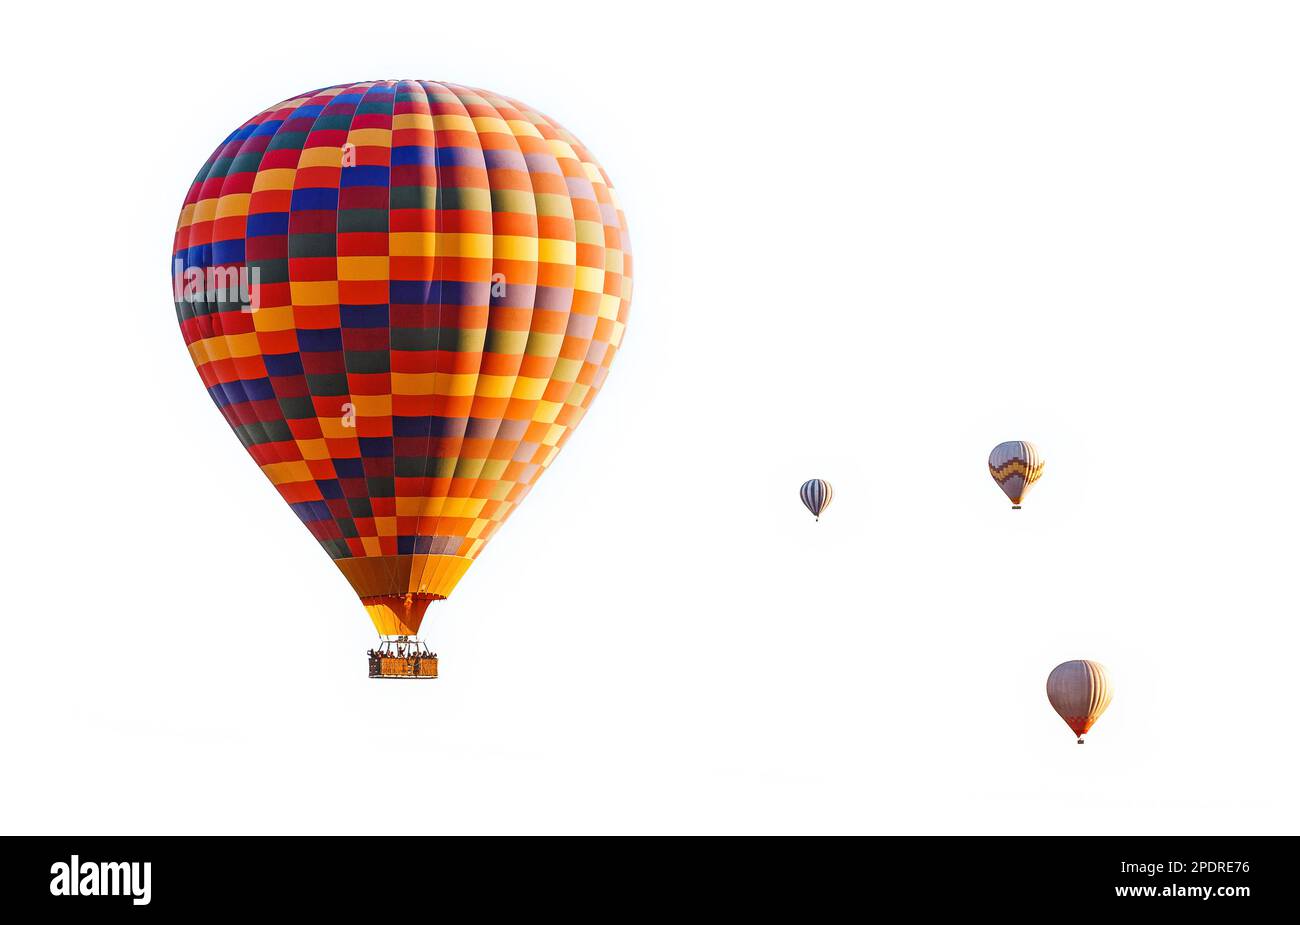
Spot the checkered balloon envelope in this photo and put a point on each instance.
(403, 297)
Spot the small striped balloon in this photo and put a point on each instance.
(1015, 466)
(816, 496)
(1080, 692)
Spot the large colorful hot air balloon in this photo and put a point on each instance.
(1015, 466)
(816, 496)
(1080, 692)
(403, 296)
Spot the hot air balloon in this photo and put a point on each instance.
(403, 297)
(1080, 692)
(1015, 466)
(816, 496)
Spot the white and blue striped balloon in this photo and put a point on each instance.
(816, 496)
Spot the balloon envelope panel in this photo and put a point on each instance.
(435, 280)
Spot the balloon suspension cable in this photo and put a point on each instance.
(402, 657)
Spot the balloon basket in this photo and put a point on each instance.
(402, 657)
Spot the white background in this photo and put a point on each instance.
(872, 241)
